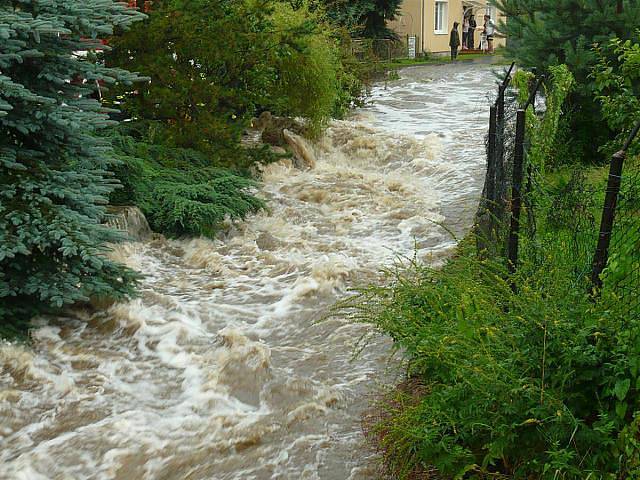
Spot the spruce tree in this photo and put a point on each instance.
(54, 170)
(542, 33)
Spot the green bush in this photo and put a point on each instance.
(178, 189)
(307, 62)
(214, 64)
(535, 384)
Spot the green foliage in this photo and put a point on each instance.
(206, 62)
(214, 64)
(177, 189)
(542, 132)
(366, 18)
(535, 384)
(617, 85)
(307, 64)
(53, 167)
(547, 33)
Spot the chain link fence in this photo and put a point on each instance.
(380, 49)
(591, 225)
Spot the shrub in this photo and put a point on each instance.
(535, 384)
(214, 64)
(306, 62)
(178, 189)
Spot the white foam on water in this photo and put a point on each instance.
(220, 369)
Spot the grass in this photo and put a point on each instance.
(511, 377)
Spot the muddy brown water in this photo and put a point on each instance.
(220, 370)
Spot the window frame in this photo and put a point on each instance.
(443, 6)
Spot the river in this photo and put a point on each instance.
(221, 370)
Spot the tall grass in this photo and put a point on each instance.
(535, 384)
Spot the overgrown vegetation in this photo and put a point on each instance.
(214, 64)
(525, 375)
(534, 384)
(178, 189)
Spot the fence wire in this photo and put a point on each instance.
(622, 276)
(561, 216)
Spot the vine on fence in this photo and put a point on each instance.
(542, 131)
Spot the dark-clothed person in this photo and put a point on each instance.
(472, 31)
(454, 41)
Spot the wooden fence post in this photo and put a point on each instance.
(516, 192)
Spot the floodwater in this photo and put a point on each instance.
(221, 370)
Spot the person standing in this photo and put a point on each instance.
(489, 30)
(472, 31)
(465, 32)
(454, 41)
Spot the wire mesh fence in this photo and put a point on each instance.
(593, 224)
(621, 275)
(380, 49)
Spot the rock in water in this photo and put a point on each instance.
(272, 128)
(130, 220)
(305, 159)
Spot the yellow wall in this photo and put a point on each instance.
(418, 17)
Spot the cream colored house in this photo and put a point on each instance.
(431, 22)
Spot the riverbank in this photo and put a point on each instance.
(519, 370)
(496, 58)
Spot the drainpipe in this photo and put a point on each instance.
(422, 26)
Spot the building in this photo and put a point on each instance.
(431, 21)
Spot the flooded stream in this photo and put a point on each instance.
(220, 369)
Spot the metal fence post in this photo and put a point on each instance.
(608, 215)
(491, 155)
(499, 195)
(516, 192)
(601, 256)
(485, 218)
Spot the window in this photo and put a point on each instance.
(441, 17)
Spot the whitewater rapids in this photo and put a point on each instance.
(220, 370)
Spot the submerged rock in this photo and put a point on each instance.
(273, 128)
(266, 241)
